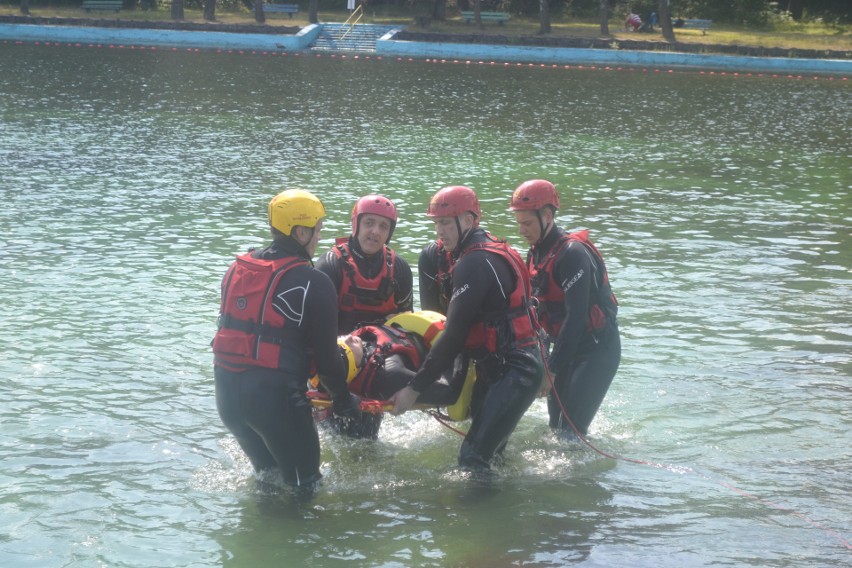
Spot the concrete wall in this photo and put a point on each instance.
(389, 47)
(162, 38)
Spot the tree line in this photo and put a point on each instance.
(751, 13)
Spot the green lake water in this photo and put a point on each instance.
(129, 179)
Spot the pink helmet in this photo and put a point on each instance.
(377, 205)
(534, 194)
(453, 201)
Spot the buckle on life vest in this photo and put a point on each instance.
(264, 332)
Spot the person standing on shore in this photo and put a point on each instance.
(489, 316)
(633, 22)
(267, 344)
(577, 308)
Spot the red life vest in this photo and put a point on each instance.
(551, 298)
(366, 299)
(520, 318)
(443, 276)
(251, 332)
(384, 341)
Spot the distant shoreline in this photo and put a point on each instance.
(432, 37)
(398, 43)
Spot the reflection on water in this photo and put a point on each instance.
(129, 180)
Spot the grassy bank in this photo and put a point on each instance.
(789, 36)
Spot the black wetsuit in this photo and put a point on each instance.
(369, 267)
(429, 267)
(582, 361)
(507, 381)
(267, 409)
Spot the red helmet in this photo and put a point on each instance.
(534, 194)
(377, 205)
(453, 201)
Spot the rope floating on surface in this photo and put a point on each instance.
(367, 57)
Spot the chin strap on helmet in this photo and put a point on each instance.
(534, 195)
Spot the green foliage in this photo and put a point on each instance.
(641, 7)
(829, 11)
(587, 8)
(228, 5)
(746, 12)
(755, 14)
(530, 8)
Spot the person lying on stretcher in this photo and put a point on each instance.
(382, 359)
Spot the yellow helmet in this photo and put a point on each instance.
(295, 207)
(352, 366)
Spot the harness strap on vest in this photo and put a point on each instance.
(264, 331)
(370, 296)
